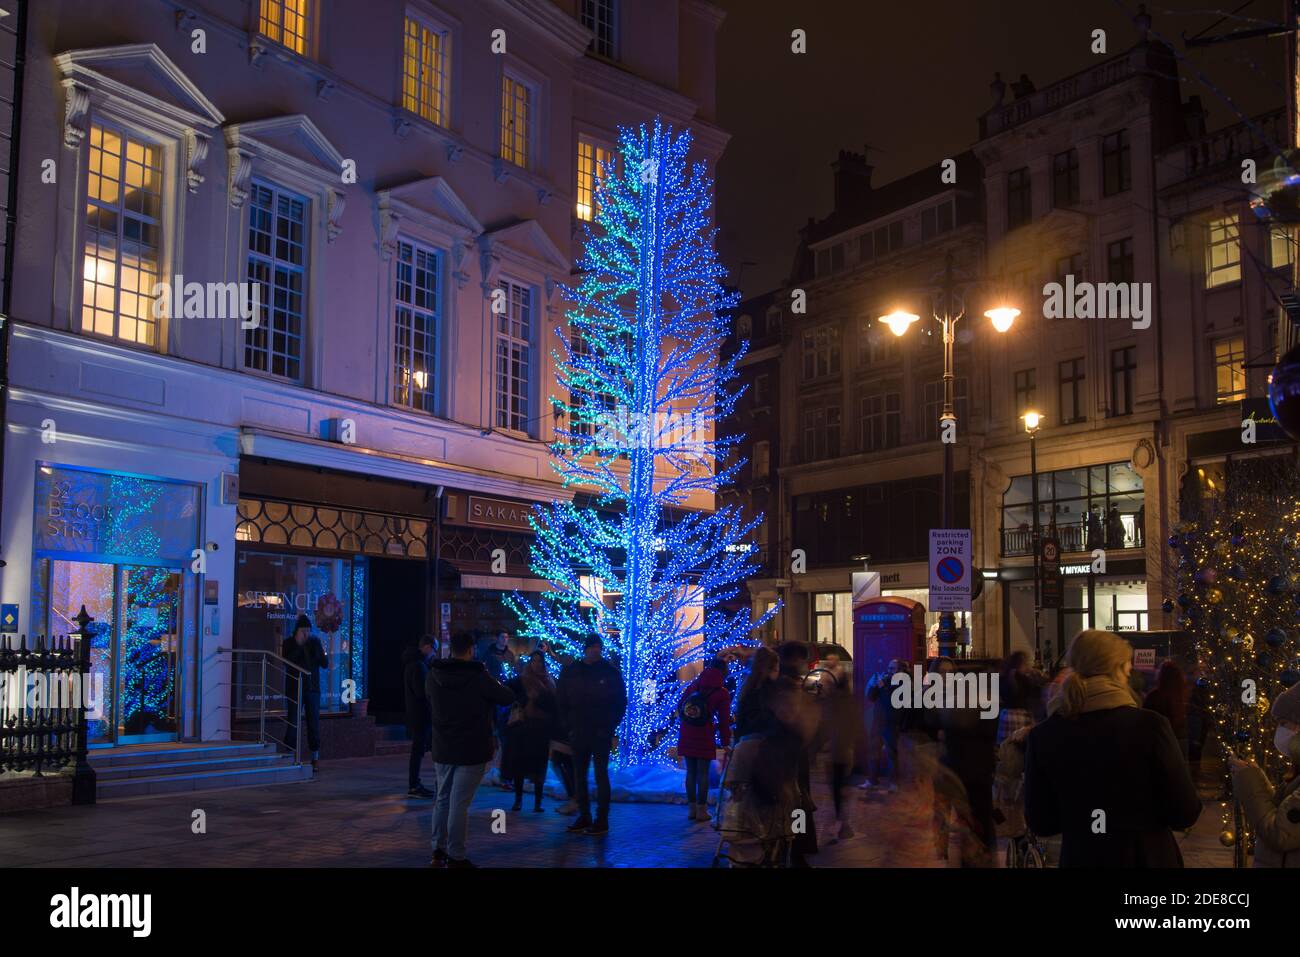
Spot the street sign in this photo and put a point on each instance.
(1144, 659)
(1050, 590)
(950, 569)
(8, 619)
(866, 585)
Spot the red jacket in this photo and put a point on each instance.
(697, 741)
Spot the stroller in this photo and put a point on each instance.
(754, 826)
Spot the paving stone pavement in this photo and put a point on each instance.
(355, 814)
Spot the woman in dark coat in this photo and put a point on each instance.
(1105, 774)
(1169, 697)
(527, 746)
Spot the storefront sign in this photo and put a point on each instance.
(498, 513)
(82, 512)
(8, 619)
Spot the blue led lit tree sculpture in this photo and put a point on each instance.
(645, 386)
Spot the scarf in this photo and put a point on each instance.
(1103, 691)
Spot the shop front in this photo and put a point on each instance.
(1115, 600)
(125, 547)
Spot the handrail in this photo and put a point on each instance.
(291, 739)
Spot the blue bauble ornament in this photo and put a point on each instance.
(1275, 637)
(1290, 677)
(1185, 600)
(1167, 606)
(1202, 682)
(1242, 736)
(1236, 529)
(1175, 541)
(1276, 585)
(1236, 573)
(1284, 392)
(1238, 540)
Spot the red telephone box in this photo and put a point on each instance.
(885, 628)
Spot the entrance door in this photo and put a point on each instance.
(134, 645)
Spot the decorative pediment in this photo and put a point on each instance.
(431, 208)
(139, 82)
(524, 246)
(297, 152)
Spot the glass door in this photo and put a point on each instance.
(148, 652)
(134, 645)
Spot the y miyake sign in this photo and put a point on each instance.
(950, 569)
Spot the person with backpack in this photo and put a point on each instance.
(704, 714)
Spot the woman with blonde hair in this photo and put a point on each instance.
(1103, 772)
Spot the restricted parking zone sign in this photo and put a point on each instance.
(950, 569)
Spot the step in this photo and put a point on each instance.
(137, 754)
(383, 747)
(113, 772)
(203, 781)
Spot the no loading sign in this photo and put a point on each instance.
(950, 569)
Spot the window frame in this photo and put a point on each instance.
(1116, 163)
(811, 352)
(1126, 370)
(598, 145)
(615, 10)
(1020, 198)
(447, 35)
(1233, 358)
(1229, 271)
(509, 282)
(1125, 245)
(818, 429)
(880, 416)
(513, 75)
(311, 26)
(274, 262)
(435, 368)
(1078, 374)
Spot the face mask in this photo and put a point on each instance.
(1282, 740)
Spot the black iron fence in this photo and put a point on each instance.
(1072, 538)
(43, 706)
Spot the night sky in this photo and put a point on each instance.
(911, 79)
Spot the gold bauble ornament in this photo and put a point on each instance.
(1248, 641)
(1214, 595)
(1227, 838)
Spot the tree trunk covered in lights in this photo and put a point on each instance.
(641, 390)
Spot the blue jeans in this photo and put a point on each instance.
(456, 786)
(697, 781)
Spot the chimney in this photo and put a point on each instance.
(852, 181)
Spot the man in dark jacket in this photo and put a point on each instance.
(415, 670)
(793, 656)
(592, 701)
(463, 699)
(304, 649)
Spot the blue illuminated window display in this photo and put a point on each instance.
(121, 546)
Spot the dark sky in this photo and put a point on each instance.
(911, 78)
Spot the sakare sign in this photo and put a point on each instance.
(950, 569)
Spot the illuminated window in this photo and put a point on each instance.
(415, 327)
(277, 223)
(1229, 369)
(600, 17)
(1280, 252)
(514, 337)
(426, 71)
(286, 22)
(516, 120)
(594, 161)
(1222, 252)
(123, 237)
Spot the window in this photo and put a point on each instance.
(1065, 179)
(123, 253)
(821, 352)
(426, 71)
(761, 464)
(587, 405)
(277, 222)
(880, 421)
(514, 336)
(516, 120)
(833, 618)
(286, 22)
(1026, 381)
(1123, 366)
(1070, 266)
(1019, 202)
(821, 433)
(936, 220)
(1229, 370)
(1069, 378)
(1116, 173)
(762, 389)
(1222, 252)
(837, 257)
(1119, 260)
(595, 160)
(1280, 251)
(416, 327)
(876, 343)
(1098, 506)
(601, 18)
(932, 406)
(880, 241)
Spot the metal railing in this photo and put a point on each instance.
(44, 704)
(266, 699)
(1071, 538)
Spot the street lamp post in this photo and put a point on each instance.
(899, 322)
(1032, 423)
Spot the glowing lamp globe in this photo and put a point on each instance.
(899, 321)
(1002, 317)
